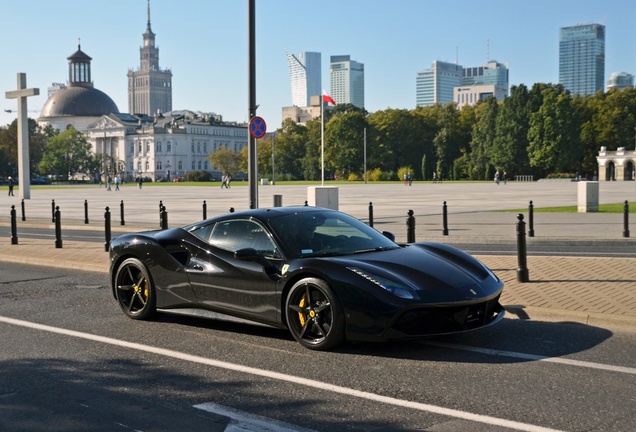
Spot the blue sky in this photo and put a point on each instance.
(204, 43)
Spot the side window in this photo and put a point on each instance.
(239, 234)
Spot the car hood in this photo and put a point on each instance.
(429, 268)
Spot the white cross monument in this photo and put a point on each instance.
(21, 94)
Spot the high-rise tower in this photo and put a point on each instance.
(347, 80)
(149, 87)
(304, 74)
(435, 85)
(582, 58)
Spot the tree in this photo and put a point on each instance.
(510, 146)
(344, 143)
(554, 140)
(483, 138)
(227, 161)
(38, 139)
(291, 148)
(67, 154)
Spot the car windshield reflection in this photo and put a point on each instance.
(325, 233)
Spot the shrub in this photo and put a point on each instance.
(198, 176)
(354, 177)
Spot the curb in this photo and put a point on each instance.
(532, 313)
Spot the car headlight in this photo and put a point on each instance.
(395, 288)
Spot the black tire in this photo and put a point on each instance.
(134, 290)
(314, 315)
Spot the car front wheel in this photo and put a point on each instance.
(135, 290)
(314, 315)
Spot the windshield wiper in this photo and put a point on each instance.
(375, 249)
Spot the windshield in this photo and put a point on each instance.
(326, 233)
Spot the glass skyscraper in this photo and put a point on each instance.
(582, 58)
(435, 85)
(347, 81)
(304, 74)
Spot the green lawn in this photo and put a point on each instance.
(602, 208)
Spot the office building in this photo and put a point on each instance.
(436, 85)
(478, 83)
(304, 75)
(620, 80)
(582, 58)
(347, 81)
(149, 87)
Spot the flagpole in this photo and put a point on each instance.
(322, 138)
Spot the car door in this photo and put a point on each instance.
(224, 283)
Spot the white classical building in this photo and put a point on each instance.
(164, 147)
(616, 165)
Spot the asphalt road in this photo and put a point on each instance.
(70, 360)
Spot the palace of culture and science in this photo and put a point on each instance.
(151, 141)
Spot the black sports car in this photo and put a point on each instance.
(324, 275)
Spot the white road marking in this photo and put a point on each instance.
(287, 378)
(246, 422)
(534, 357)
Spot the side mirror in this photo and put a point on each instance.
(389, 235)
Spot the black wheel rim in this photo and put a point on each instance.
(310, 314)
(133, 289)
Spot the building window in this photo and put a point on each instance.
(132, 148)
(159, 165)
(193, 166)
(180, 165)
(147, 166)
(158, 147)
(205, 165)
(169, 147)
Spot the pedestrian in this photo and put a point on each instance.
(434, 177)
(228, 179)
(505, 177)
(11, 187)
(223, 180)
(141, 181)
(116, 182)
(410, 177)
(406, 178)
(109, 180)
(497, 177)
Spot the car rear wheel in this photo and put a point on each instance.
(135, 290)
(314, 315)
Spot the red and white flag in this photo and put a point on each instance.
(328, 99)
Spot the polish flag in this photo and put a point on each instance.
(327, 98)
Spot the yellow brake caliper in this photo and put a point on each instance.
(301, 316)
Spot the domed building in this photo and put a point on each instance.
(79, 104)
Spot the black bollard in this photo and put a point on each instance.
(205, 210)
(86, 211)
(445, 219)
(58, 229)
(121, 212)
(23, 212)
(410, 227)
(14, 227)
(371, 214)
(231, 209)
(530, 220)
(626, 219)
(107, 229)
(161, 207)
(306, 204)
(164, 219)
(52, 210)
(522, 270)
